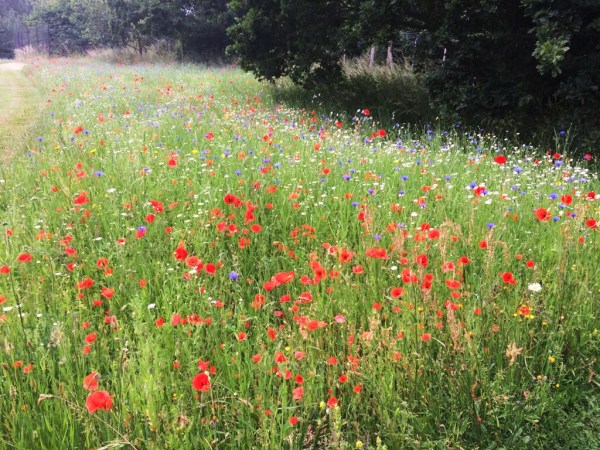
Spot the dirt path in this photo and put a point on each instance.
(12, 66)
(18, 98)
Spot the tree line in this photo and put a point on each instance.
(502, 63)
(195, 28)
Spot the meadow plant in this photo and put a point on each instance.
(185, 265)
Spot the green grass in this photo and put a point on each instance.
(20, 102)
(145, 220)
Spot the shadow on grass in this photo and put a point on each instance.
(394, 94)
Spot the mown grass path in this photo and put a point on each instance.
(18, 99)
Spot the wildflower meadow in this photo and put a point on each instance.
(186, 264)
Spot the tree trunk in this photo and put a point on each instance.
(372, 56)
(390, 56)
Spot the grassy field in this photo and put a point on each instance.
(19, 102)
(186, 265)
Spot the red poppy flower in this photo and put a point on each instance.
(408, 276)
(201, 382)
(500, 159)
(453, 284)
(396, 292)
(81, 199)
(566, 199)
(180, 252)
(280, 357)
(591, 224)
(231, 199)
(85, 284)
(24, 257)
(284, 277)
(357, 270)
(377, 253)
(332, 402)
(90, 382)
(425, 337)
(107, 292)
(298, 393)
(542, 214)
(448, 266)
(508, 278)
(98, 400)
(422, 260)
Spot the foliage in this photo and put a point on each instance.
(6, 48)
(194, 27)
(66, 26)
(11, 12)
(396, 94)
(298, 39)
(530, 65)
